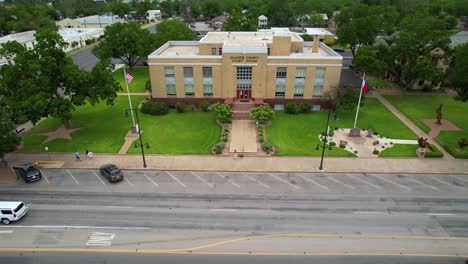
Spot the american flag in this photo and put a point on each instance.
(129, 77)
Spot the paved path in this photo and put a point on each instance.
(411, 125)
(125, 94)
(243, 136)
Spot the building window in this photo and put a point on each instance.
(281, 72)
(188, 72)
(298, 90)
(188, 81)
(300, 73)
(244, 78)
(170, 89)
(318, 83)
(189, 91)
(280, 90)
(207, 90)
(169, 72)
(299, 82)
(220, 51)
(315, 107)
(279, 107)
(213, 51)
(207, 72)
(268, 51)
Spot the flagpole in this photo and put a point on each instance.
(128, 93)
(359, 102)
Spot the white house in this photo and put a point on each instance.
(89, 22)
(76, 37)
(153, 15)
(262, 21)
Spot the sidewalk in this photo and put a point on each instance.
(277, 164)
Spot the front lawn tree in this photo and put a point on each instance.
(223, 112)
(8, 137)
(44, 81)
(127, 42)
(262, 113)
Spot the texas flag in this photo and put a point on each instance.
(364, 86)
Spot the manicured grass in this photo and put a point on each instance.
(102, 129)
(297, 135)
(420, 107)
(179, 133)
(378, 83)
(399, 150)
(140, 76)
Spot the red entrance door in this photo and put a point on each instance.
(244, 94)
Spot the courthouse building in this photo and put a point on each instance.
(270, 66)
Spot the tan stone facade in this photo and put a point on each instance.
(268, 67)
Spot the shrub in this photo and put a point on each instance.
(375, 132)
(331, 133)
(154, 108)
(204, 105)
(260, 138)
(226, 129)
(305, 107)
(383, 147)
(342, 145)
(291, 108)
(181, 107)
(332, 143)
(262, 113)
(267, 147)
(225, 138)
(376, 152)
(219, 147)
(336, 128)
(260, 132)
(223, 112)
(355, 152)
(260, 127)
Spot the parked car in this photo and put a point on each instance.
(339, 50)
(111, 172)
(12, 211)
(29, 172)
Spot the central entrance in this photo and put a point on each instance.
(244, 82)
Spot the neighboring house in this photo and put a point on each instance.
(217, 22)
(77, 37)
(262, 21)
(89, 22)
(323, 34)
(27, 38)
(275, 67)
(304, 21)
(153, 15)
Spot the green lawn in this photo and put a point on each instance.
(297, 135)
(102, 129)
(424, 107)
(399, 150)
(140, 76)
(187, 133)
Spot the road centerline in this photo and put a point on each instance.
(226, 178)
(72, 177)
(175, 178)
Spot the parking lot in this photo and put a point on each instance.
(251, 183)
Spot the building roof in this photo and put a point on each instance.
(246, 38)
(99, 19)
(459, 39)
(22, 37)
(221, 19)
(71, 33)
(262, 17)
(318, 31)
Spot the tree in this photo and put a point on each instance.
(211, 8)
(30, 16)
(348, 98)
(44, 81)
(240, 22)
(280, 14)
(173, 30)
(118, 8)
(414, 47)
(223, 112)
(127, 42)
(262, 113)
(458, 72)
(373, 60)
(8, 137)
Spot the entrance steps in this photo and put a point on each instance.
(241, 110)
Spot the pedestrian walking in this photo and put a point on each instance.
(89, 154)
(235, 154)
(77, 156)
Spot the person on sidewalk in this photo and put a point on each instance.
(77, 156)
(235, 154)
(89, 154)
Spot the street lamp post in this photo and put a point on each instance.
(139, 134)
(325, 139)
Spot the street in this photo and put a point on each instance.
(197, 212)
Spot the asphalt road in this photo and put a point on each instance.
(207, 259)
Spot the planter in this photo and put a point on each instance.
(421, 152)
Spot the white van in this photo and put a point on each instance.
(12, 211)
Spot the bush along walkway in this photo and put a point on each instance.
(410, 124)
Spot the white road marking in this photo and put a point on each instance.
(279, 179)
(6, 231)
(149, 179)
(435, 214)
(224, 210)
(43, 174)
(229, 180)
(430, 186)
(312, 181)
(367, 212)
(201, 179)
(255, 180)
(79, 227)
(383, 179)
(73, 177)
(125, 178)
(458, 178)
(448, 184)
(118, 207)
(100, 239)
(335, 180)
(173, 177)
(98, 177)
(378, 187)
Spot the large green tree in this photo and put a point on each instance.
(211, 8)
(8, 137)
(118, 8)
(127, 42)
(459, 71)
(173, 30)
(44, 81)
(240, 22)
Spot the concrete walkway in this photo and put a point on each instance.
(243, 136)
(411, 125)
